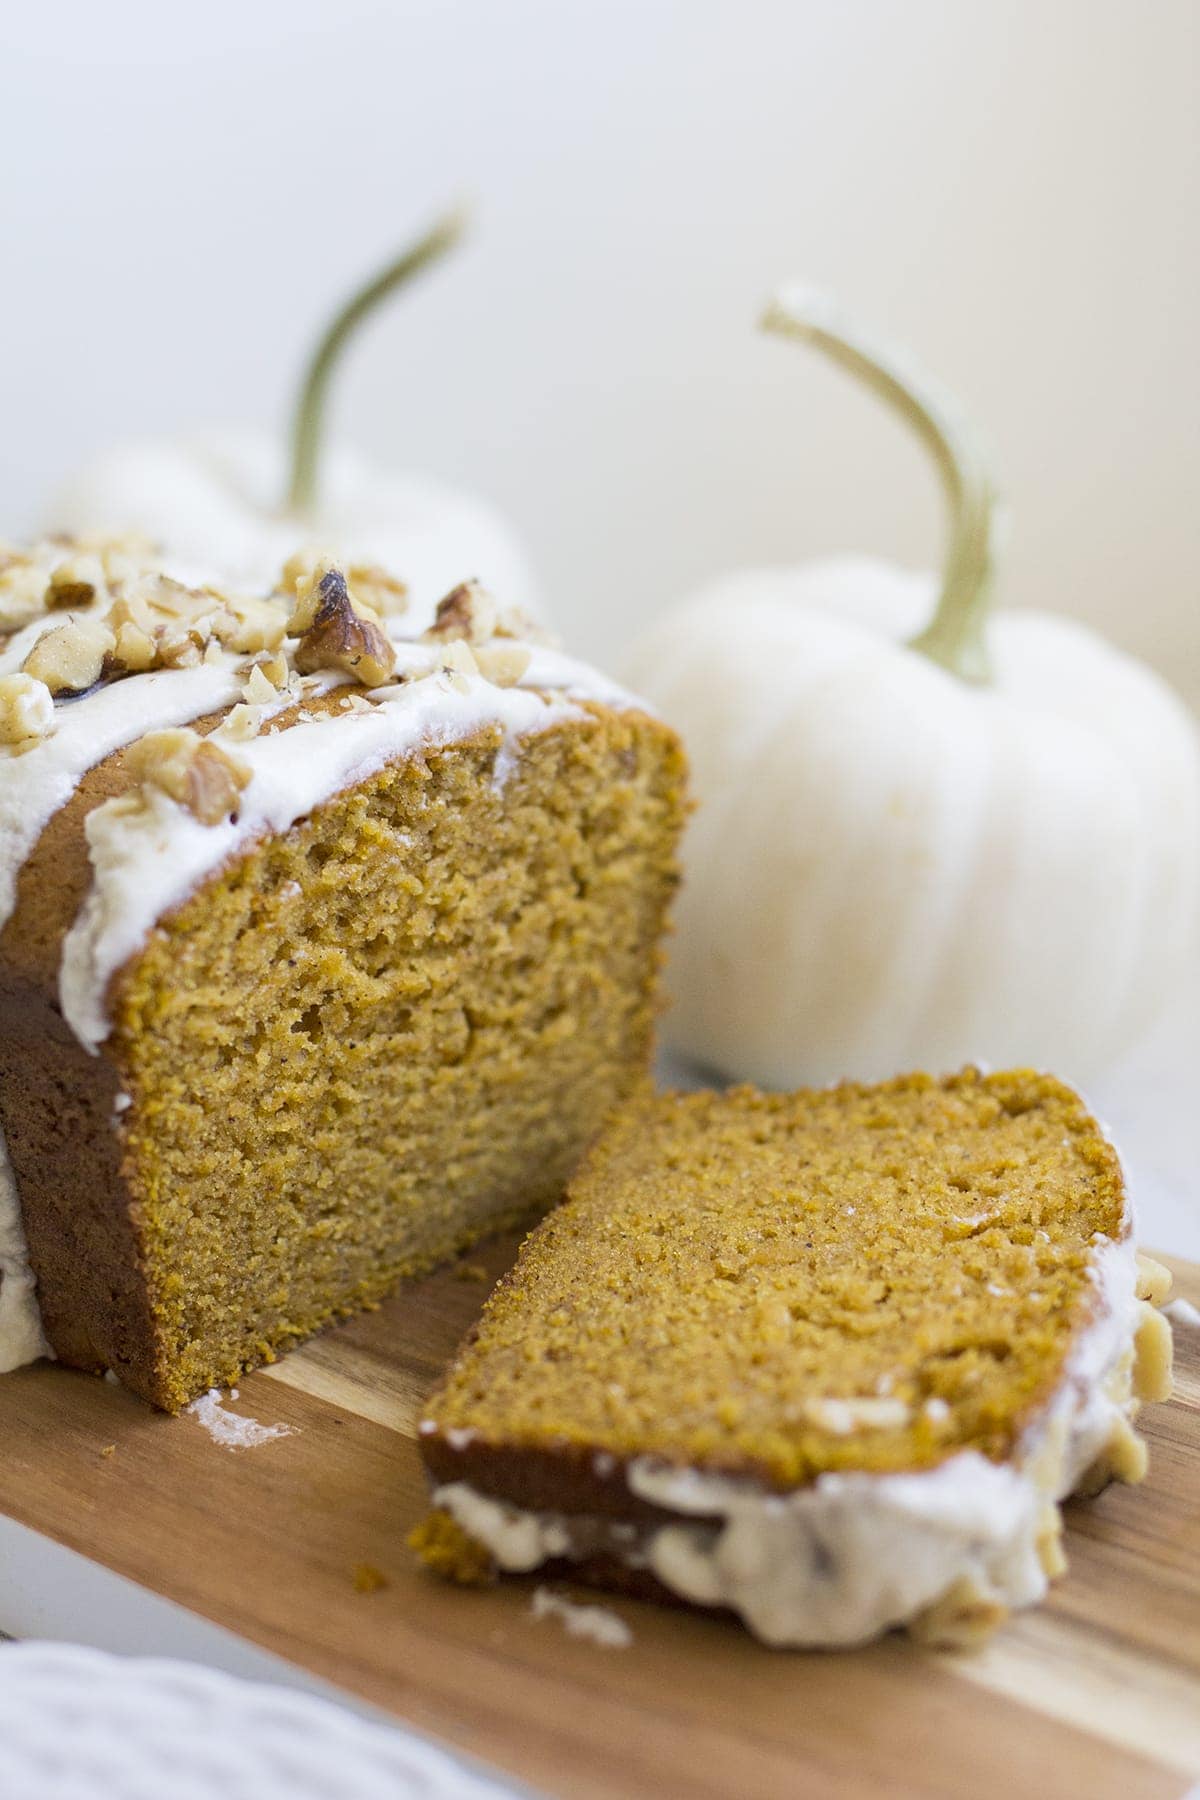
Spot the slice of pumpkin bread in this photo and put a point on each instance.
(827, 1359)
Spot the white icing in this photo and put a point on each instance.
(230, 1429)
(599, 1624)
(849, 1556)
(34, 785)
(1182, 1312)
(844, 1559)
(518, 1540)
(21, 1337)
(148, 861)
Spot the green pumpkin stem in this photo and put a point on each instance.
(956, 636)
(310, 408)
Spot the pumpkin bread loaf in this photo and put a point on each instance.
(828, 1359)
(328, 948)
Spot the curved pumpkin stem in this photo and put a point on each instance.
(956, 636)
(310, 407)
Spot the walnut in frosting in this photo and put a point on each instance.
(468, 618)
(190, 769)
(121, 615)
(60, 573)
(467, 612)
(95, 610)
(336, 631)
(26, 711)
(70, 657)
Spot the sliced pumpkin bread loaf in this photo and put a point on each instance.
(827, 1359)
(325, 948)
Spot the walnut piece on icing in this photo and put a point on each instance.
(62, 574)
(135, 650)
(258, 688)
(76, 582)
(250, 626)
(70, 657)
(458, 663)
(467, 612)
(190, 769)
(373, 587)
(503, 662)
(26, 711)
(335, 632)
(376, 593)
(242, 723)
(23, 580)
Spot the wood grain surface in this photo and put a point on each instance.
(1095, 1694)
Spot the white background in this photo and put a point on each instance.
(1011, 188)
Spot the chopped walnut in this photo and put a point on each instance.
(248, 626)
(502, 662)
(1123, 1458)
(69, 657)
(1153, 1280)
(258, 689)
(26, 710)
(131, 608)
(168, 598)
(180, 646)
(1153, 1354)
(23, 580)
(75, 583)
(123, 555)
(1048, 1541)
(242, 722)
(275, 669)
(964, 1617)
(334, 633)
(458, 662)
(372, 586)
(374, 593)
(467, 611)
(301, 566)
(190, 769)
(135, 651)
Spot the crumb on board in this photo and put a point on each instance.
(599, 1624)
(440, 1542)
(368, 1579)
(470, 1272)
(109, 1450)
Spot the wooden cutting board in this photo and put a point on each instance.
(1095, 1694)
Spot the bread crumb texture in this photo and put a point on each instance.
(388, 1030)
(443, 1546)
(784, 1284)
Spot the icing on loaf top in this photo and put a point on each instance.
(104, 649)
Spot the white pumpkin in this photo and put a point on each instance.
(238, 503)
(918, 847)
